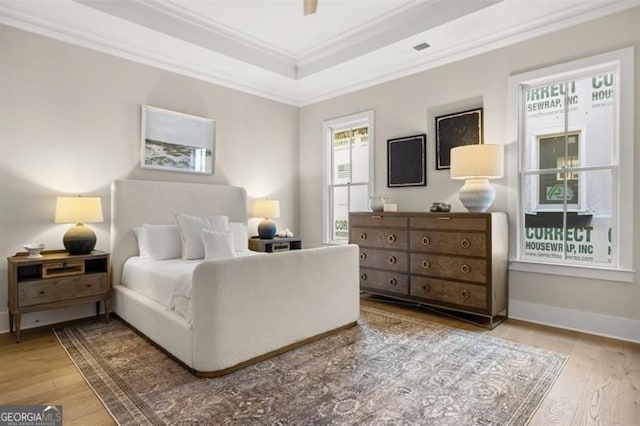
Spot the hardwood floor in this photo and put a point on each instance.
(599, 385)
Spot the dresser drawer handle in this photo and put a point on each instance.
(363, 236)
(393, 282)
(42, 292)
(465, 269)
(464, 294)
(465, 243)
(426, 241)
(392, 260)
(391, 238)
(426, 288)
(426, 264)
(363, 277)
(363, 256)
(88, 285)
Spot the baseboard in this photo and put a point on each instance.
(586, 322)
(38, 319)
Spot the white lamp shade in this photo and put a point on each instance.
(477, 161)
(269, 209)
(78, 210)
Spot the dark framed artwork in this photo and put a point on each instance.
(452, 130)
(407, 161)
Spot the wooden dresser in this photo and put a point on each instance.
(453, 261)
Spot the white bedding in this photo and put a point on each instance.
(167, 282)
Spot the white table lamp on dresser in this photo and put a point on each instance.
(476, 164)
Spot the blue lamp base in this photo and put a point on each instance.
(267, 230)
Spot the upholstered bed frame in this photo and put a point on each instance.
(244, 309)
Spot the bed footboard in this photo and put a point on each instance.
(245, 309)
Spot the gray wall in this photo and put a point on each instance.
(409, 105)
(70, 124)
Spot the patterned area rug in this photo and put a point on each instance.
(388, 370)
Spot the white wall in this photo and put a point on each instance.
(70, 124)
(409, 105)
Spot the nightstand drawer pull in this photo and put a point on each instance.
(464, 294)
(393, 282)
(391, 238)
(465, 269)
(426, 241)
(363, 276)
(426, 264)
(426, 288)
(465, 243)
(392, 260)
(41, 291)
(363, 236)
(363, 256)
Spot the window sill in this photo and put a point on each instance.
(590, 272)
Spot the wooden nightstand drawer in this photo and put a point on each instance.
(62, 269)
(385, 259)
(378, 220)
(451, 222)
(459, 243)
(51, 290)
(390, 282)
(460, 294)
(395, 239)
(457, 268)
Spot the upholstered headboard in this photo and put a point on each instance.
(134, 202)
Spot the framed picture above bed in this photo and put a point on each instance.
(407, 161)
(177, 142)
(452, 130)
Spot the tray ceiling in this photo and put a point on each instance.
(269, 48)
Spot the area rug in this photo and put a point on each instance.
(388, 370)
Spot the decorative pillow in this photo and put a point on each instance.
(142, 248)
(217, 245)
(240, 236)
(191, 228)
(162, 241)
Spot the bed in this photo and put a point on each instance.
(243, 309)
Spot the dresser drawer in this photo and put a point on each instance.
(381, 238)
(460, 243)
(378, 220)
(390, 282)
(449, 267)
(467, 295)
(457, 223)
(52, 290)
(384, 259)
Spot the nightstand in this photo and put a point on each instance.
(56, 280)
(275, 245)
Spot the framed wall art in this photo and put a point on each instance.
(176, 142)
(452, 130)
(407, 161)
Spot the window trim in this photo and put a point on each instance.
(329, 126)
(623, 155)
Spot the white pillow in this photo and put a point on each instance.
(162, 241)
(217, 245)
(191, 228)
(142, 248)
(240, 236)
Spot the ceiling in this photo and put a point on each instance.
(269, 48)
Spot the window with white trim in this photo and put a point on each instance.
(348, 172)
(574, 132)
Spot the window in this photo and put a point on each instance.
(574, 177)
(348, 174)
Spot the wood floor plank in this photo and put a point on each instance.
(600, 383)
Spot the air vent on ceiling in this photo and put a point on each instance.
(421, 46)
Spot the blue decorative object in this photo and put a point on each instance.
(266, 230)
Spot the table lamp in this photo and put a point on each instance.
(267, 209)
(477, 164)
(79, 239)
